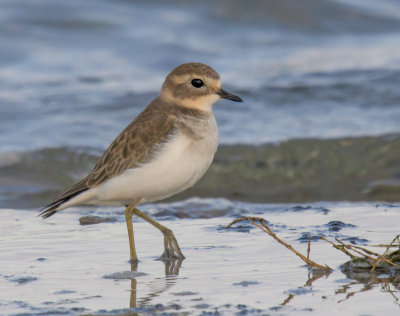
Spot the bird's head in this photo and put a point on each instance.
(194, 85)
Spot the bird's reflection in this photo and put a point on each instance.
(132, 303)
(161, 284)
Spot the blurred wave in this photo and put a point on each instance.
(315, 16)
(301, 170)
(74, 73)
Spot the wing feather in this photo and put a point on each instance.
(133, 146)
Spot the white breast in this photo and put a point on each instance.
(178, 165)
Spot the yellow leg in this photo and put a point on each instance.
(171, 247)
(128, 217)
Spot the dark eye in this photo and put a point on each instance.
(197, 83)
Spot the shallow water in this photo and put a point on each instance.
(60, 267)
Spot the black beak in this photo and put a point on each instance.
(226, 95)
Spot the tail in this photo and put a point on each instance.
(57, 205)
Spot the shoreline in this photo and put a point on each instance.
(293, 171)
(305, 170)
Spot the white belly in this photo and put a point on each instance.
(177, 166)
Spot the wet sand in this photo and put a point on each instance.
(61, 267)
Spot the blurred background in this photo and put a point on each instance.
(320, 80)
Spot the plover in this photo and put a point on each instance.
(166, 149)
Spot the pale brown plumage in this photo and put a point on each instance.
(133, 146)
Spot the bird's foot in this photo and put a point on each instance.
(171, 247)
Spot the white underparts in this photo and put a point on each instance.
(177, 165)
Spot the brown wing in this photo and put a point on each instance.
(135, 145)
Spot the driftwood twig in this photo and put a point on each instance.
(260, 223)
(355, 252)
(372, 257)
